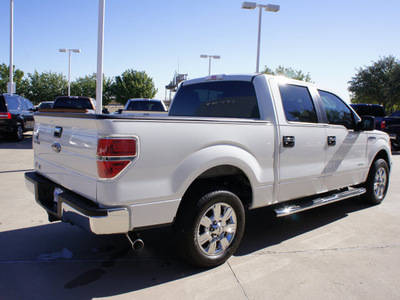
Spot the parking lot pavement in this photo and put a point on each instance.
(347, 250)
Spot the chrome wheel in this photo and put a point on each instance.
(380, 183)
(216, 229)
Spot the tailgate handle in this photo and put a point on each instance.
(288, 141)
(58, 132)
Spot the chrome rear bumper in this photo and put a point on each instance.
(75, 209)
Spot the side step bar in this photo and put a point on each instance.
(292, 209)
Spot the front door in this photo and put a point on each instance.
(346, 148)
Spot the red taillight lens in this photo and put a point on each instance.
(110, 169)
(383, 125)
(114, 155)
(116, 147)
(5, 115)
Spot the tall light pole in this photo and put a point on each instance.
(268, 7)
(11, 85)
(69, 66)
(100, 48)
(209, 60)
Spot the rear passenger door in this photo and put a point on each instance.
(27, 112)
(346, 147)
(302, 141)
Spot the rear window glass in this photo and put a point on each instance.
(369, 110)
(82, 103)
(229, 99)
(13, 103)
(145, 106)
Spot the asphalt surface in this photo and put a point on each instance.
(346, 250)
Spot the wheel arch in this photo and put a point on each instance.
(228, 177)
(384, 155)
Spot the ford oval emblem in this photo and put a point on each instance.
(56, 147)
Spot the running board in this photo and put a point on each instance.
(292, 209)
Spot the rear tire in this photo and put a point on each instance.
(19, 133)
(210, 227)
(377, 182)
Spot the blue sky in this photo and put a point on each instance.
(328, 39)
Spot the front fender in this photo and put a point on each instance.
(378, 142)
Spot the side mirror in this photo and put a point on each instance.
(367, 123)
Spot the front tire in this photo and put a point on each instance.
(210, 228)
(377, 182)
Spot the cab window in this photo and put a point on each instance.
(337, 112)
(297, 104)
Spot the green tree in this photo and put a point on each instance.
(45, 86)
(133, 84)
(17, 78)
(378, 84)
(86, 86)
(288, 72)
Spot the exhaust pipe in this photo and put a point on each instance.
(137, 244)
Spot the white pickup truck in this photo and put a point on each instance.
(230, 143)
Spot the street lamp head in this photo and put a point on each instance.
(272, 7)
(249, 5)
(216, 56)
(203, 56)
(76, 50)
(63, 50)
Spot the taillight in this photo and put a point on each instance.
(6, 115)
(383, 125)
(114, 155)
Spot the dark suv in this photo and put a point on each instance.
(16, 116)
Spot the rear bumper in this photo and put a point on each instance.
(72, 208)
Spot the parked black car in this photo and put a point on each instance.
(16, 116)
(390, 125)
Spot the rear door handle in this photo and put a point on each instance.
(331, 140)
(288, 141)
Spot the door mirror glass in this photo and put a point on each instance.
(367, 123)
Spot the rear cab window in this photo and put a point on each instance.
(66, 102)
(226, 99)
(145, 105)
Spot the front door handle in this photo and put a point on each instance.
(288, 141)
(331, 140)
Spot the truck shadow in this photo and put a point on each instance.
(263, 229)
(57, 261)
(26, 143)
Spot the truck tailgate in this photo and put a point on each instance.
(65, 151)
